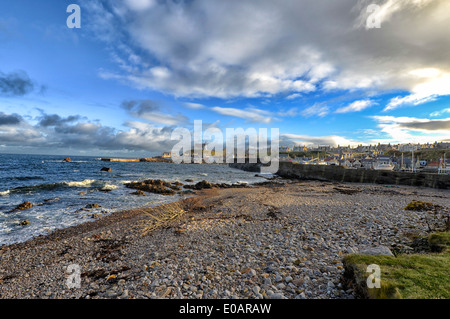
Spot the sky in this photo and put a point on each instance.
(322, 72)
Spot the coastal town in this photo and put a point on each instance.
(429, 157)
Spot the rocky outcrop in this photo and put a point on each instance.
(153, 186)
(24, 205)
(67, 159)
(106, 169)
(166, 188)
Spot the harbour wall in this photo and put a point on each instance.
(341, 174)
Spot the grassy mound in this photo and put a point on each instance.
(408, 276)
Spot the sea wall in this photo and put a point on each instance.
(341, 174)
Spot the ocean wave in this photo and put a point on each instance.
(4, 193)
(83, 183)
(53, 186)
(109, 187)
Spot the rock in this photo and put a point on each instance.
(67, 159)
(24, 222)
(378, 250)
(298, 282)
(139, 193)
(203, 184)
(153, 186)
(24, 205)
(251, 273)
(276, 296)
(91, 206)
(189, 180)
(106, 169)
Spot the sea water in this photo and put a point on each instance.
(60, 191)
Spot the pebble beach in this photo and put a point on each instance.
(280, 240)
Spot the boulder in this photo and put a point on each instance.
(378, 250)
(24, 222)
(153, 186)
(106, 169)
(67, 159)
(203, 184)
(24, 205)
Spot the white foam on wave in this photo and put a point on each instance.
(109, 187)
(84, 183)
(4, 193)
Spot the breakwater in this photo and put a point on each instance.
(341, 174)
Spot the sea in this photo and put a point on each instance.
(60, 191)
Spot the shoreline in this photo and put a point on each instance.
(272, 241)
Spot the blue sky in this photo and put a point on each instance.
(137, 69)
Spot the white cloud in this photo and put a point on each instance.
(332, 140)
(433, 83)
(293, 96)
(412, 130)
(316, 110)
(249, 114)
(227, 49)
(356, 106)
(440, 113)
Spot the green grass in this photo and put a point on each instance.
(408, 276)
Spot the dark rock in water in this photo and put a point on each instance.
(153, 186)
(203, 184)
(177, 184)
(189, 180)
(24, 205)
(175, 188)
(67, 159)
(24, 222)
(106, 169)
(81, 193)
(50, 200)
(139, 193)
(91, 206)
